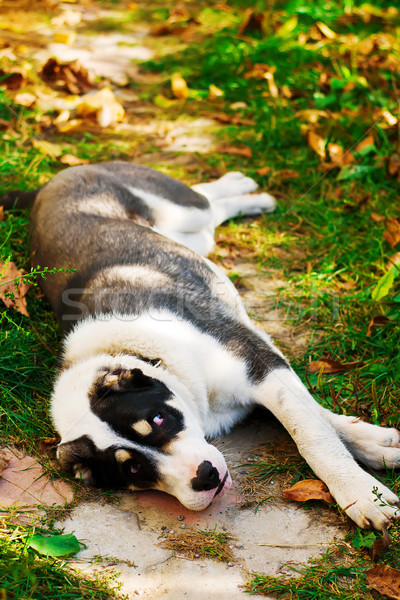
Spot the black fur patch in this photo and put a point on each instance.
(123, 397)
(106, 471)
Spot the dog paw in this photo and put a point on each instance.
(369, 503)
(256, 204)
(235, 184)
(377, 447)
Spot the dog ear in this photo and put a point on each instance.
(123, 380)
(74, 456)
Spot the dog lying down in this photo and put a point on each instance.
(159, 353)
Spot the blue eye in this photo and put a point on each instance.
(158, 419)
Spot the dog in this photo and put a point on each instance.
(159, 354)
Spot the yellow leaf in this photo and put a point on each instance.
(67, 37)
(25, 99)
(47, 148)
(163, 102)
(273, 90)
(63, 117)
(367, 141)
(335, 152)
(68, 126)
(214, 92)
(326, 31)
(72, 161)
(317, 143)
(287, 27)
(179, 86)
(103, 105)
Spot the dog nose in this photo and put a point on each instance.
(207, 477)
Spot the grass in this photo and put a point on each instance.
(321, 240)
(198, 544)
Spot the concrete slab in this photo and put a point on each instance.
(127, 535)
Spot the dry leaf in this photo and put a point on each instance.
(47, 148)
(377, 218)
(287, 174)
(102, 105)
(48, 444)
(12, 81)
(214, 92)
(64, 37)
(69, 76)
(367, 141)
(235, 119)
(253, 21)
(393, 260)
(4, 460)
(308, 489)
(1, 213)
(317, 143)
(25, 99)
(380, 545)
(273, 90)
(376, 321)
(328, 365)
(385, 580)
(264, 171)
(72, 161)
(326, 31)
(394, 164)
(179, 86)
(336, 153)
(392, 232)
(13, 288)
(243, 151)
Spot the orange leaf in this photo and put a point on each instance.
(377, 218)
(392, 232)
(328, 365)
(308, 489)
(376, 321)
(243, 151)
(367, 141)
(385, 580)
(48, 444)
(72, 161)
(13, 288)
(335, 152)
(263, 171)
(394, 164)
(317, 143)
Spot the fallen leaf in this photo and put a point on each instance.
(102, 105)
(376, 321)
(377, 218)
(25, 99)
(385, 580)
(287, 28)
(214, 92)
(329, 365)
(4, 460)
(55, 545)
(380, 545)
(48, 444)
(263, 171)
(71, 77)
(253, 21)
(287, 174)
(317, 143)
(47, 148)
(308, 489)
(394, 164)
(273, 90)
(393, 260)
(392, 232)
(179, 86)
(64, 37)
(235, 119)
(336, 153)
(365, 143)
(243, 151)
(384, 284)
(1, 213)
(12, 81)
(72, 161)
(13, 288)
(326, 31)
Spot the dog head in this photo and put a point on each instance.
(125, 427)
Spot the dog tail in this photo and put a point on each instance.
(18, 200)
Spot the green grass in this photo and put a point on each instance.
(321, 239)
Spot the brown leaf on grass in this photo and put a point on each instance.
(380, 545)
(385, 580)
(377, 218)
(336, 153)
(12, 81)
(72, 161)
(235, 119)
(365, 143)
(394, 165)
(4, 460)
(25, 99)
(392, 232)
(376, 321)
(264, 171)
(328, 365)
(48, 444)
(71, 77)
(13, 288)
(393, 260)
(316, 142)
(287, 174)
(253, 21)
(308, 489)
(1, 213)
(243, 151)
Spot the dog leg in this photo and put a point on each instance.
(244, 205)
(377, 447)
(362, 497)
(230, 184)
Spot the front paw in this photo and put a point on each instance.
(369, 503)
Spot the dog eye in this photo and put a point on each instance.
(135, 467)
(158, 419)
